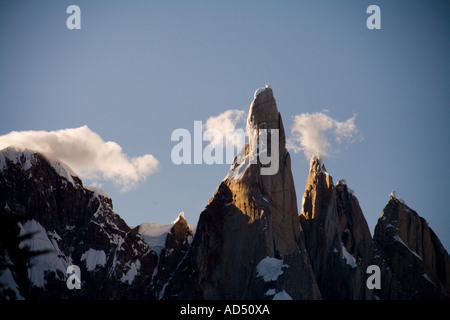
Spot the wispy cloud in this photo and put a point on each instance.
(227, 120)
(87, 154)
(317, 134)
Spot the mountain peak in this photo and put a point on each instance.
(179, 217)
(252, 215)
(260, 90)
(405, 237)
(316, 165)
(26, 158)
(263, 118)
(17, 155)
(263, 111)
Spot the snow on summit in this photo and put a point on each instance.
(27, 158)
(155, 234)
(259, 90)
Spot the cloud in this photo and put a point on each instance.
(87, 154)
(317, 134)
(227, 120)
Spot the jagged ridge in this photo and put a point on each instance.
(250, 241)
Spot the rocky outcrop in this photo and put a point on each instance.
(76, 225)
(420, 264)
(337, 236)
(413, 263)
(251, 217)
(175, 249)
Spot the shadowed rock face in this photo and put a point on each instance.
(337, 237)
(78, 226)
(174, 251)
(418, 260)
(251, 216)
(413, 263)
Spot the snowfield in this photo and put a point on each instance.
(270, 268)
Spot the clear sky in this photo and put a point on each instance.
(138, 70)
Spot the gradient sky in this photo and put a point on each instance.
(137, 70)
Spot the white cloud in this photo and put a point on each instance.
(87, 154)
(312, 134)
(227, 120)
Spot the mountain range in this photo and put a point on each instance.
(252, 241)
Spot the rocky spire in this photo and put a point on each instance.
(251, 216)
(337, 236)
(318, 191)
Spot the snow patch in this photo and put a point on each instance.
(270, 268)
(94, 258)
(320, 168)
(132, 272)
(283, 295)
(270, 292)
(259, 90)
(17, 156)
(428, 279)
(351, 261)
(180, 215)
(239, 167)
(390, 225)
(97, 191)
(26, 158)
(155, 234)
(7, 281)
(53, 234)
(398, 239)
(63, 170)
(51, 261)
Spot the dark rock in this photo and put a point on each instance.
(337, 236)
(78, 226)
(419, 262)
(175, 249)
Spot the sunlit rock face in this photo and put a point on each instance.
(250, 217)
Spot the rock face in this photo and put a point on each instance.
(175, 249)
(413, 263)
(419, 262)
(250, 217)
(77, 225)
(337, 236)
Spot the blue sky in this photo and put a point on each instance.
(138, 70)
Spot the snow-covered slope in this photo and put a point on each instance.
(155, 234)
(26, 158)
(76, 225)
(55, 261)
